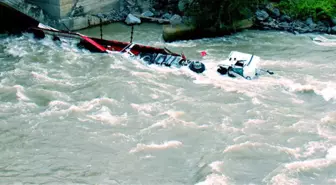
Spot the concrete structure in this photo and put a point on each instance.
(59, 9)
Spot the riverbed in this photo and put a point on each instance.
(72, 117)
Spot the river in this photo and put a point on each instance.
(72, 117)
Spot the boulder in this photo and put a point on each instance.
(322, 27)
(300, 27)
(285, 18)
(284, 26)
(147, 14)
(274, 12)
(333, 20)
(333, 30)
(310, 22)
(187, 20)
(182, 5)
(175, 19)
(167, 16)
(242, 24)
(261, 15)
(131, 19)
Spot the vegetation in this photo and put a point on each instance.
(301, 9)
(221, 13)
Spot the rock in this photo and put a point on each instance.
(261, 15)
(333, 30)
(187, 20)
(321, 27)
(130, 2)
(310, 22)
(300, 27)
(274, 12)
(270, 24)
(175, 19)
(243, 24)
(167, 16)
(284, 26)
(285, 18)
(333, 20)
(147, 13)
(329, 30)
(77, 11)
(182, 5)
(131, 19)
(100, 15)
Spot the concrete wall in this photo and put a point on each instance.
(62, 8)
(52, 7)
(95, 6)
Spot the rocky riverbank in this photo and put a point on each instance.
(271, 18)
(128, 11)
(266, 17)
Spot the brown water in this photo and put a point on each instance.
(71, 117)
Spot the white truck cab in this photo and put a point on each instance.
(238, 63)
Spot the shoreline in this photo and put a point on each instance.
(266, 17)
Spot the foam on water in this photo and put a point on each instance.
(325, 89)
(64, 108)
(215, 179)
(283, 174)
(314, 147)
(105, 116)
(257, 147)
(20, 93)
(327, 127)
(153, 147)
(329, 118)
(88, 117)
(284, 180)
(331, 154)
(217, 166)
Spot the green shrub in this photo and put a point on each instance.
(317, 9)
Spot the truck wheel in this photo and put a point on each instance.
(222, 70)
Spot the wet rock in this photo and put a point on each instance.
(261, 15)
(130, 2)
(131, 19)
(187, 20)
(175, 19)
(116, 16)
(285, 18)
(333, 30)
(300, 27)
(284, 26)
(333, 20)
(78, 11)
(310, 23)
(182, 5)
(274, 12)
(147, 13)
(269, 24)
(322, 27)
(167, 16)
